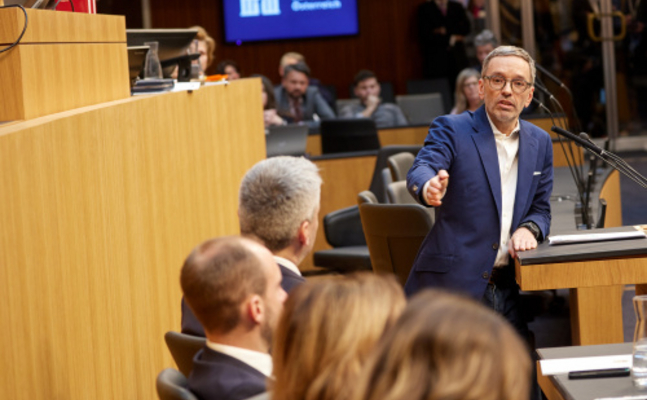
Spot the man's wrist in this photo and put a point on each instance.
(533, 228)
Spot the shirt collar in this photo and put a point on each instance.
(496, 131)
(255, 359)
(287, 264)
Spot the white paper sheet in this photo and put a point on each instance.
(566, 365)
(595, 237)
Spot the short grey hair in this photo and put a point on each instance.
(275, 197)
(504, 51)
(485, 37)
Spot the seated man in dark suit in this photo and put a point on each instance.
(279, 207)
(296, 98)
(233, 286)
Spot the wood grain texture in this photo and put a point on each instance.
(340, 189)
(596, 315)
(46, 26)
(100, 207)
(43, 79)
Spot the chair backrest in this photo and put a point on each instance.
(386, 178)
(378, 184)
(399, 165)
(347, 135)
(341, 103)
(421, 109)
(366, 197)
(438, 85)
(394, 233)
(287, 140)
(172, 385)
(183, 347)
(343, 228)
(398, 193)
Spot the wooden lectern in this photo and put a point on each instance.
(64, 61)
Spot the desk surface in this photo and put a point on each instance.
(588, 389)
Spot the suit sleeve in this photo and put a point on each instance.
(438, 153)
(539, 211)
(322, 109)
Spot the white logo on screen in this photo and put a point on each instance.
(256, 8)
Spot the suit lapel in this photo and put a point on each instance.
(485, 145)
(526, 168)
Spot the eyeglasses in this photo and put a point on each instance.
(498, 82)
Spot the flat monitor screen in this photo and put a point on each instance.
(257, 20)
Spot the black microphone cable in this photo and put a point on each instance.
(24, 29)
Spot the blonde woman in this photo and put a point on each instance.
(451, 348)
(467, 91)
(327, 330)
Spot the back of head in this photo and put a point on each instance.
(216, 279)
(484, 38)
(276, 196)
(447, 347)
(291, 57)
(327, 330)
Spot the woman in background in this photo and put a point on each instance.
(230, 68)
(467, 91)
(270, 115)
(447, 347)
(206, 48)
(328, 329)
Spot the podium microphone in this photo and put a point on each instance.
(552, 77)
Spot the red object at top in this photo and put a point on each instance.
(82, 6)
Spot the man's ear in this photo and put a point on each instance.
(530, 95)
(255, 308)
(304, 233)
(481, 89)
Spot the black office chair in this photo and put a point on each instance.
(183, 347)
(172, 385)
(439, 85)
(348, 135)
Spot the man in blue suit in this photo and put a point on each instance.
(233, 286)
(490, 177)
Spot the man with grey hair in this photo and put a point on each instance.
(497, 201)
(484, 43)
(278, 206)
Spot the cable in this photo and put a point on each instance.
(72, 5)
(14, 44)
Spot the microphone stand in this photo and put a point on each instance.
(552, 77)
(611, 159)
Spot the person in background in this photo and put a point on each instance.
(291, 58)
(278, 206)
(206, 48)
(233, 286)
(230, 68)
(328, 329)
(447, 347)
(367, 90)
(467, 91)
(296, 98)
(270, 116)
(484, 42)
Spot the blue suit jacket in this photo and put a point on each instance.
(191, 325)
(217, 376)
(459, 251)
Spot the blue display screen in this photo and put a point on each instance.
(255, 20)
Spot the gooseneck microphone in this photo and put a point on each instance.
(566, 89)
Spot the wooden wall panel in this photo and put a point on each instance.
(100, 206)
(387, 43)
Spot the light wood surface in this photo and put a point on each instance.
(596, 315)
(343, 179)
(100, 206)
(64, 61)
(43, 79)
(47, 26)
(547, 387)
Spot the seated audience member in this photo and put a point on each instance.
(484, 42)
(327, 330)
(206, 47)
(230, 68)
(233, 286)
(270, 116)
(278, 206)
(367, 90)
(299, 100)
(467, 91)
(447, 347)
(292, 58)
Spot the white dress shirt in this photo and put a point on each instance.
(255, 359)
(507, 148)
(287, 264)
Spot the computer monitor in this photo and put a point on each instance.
(172, 43)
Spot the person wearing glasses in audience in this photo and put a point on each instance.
(467, 91)
(490, 176)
